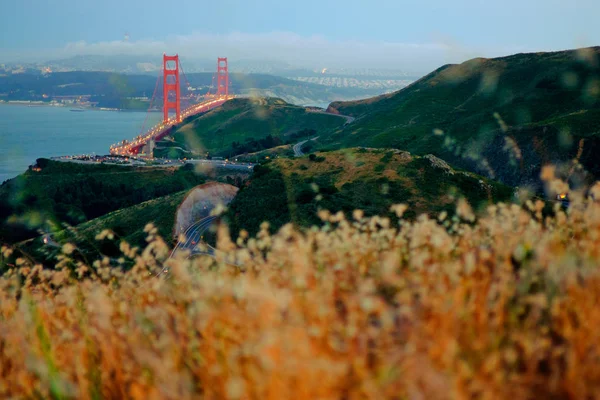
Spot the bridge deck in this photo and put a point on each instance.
(160, 130)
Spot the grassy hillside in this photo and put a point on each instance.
(504, 117)
(127, 224)
(74, 193)
(246, 125)
(372, 180)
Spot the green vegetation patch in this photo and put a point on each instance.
(248, 125)
(504, 117)
(127, 224)
(70, 193)
(294, 190)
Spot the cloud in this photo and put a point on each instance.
(291, 48)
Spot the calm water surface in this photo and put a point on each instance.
(27, 133)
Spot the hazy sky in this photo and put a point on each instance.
(394, 34)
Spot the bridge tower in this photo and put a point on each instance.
(222, 77)
(171, 85)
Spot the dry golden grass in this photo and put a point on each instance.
(348, 165)
(505, 307)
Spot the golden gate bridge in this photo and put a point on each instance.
(171, 73)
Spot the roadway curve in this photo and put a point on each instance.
(193, 236)
(348, 118)
(298, 147)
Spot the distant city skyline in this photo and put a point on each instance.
(412, 35)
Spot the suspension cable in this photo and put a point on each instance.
(185, 79)
(151, 102)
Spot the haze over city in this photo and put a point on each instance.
(411, 35)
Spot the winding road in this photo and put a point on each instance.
(298, 147)
(348, 118)
(193, 236)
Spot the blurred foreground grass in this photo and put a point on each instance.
(504, 305)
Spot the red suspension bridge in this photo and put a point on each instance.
(171, 94)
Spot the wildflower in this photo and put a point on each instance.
(548, 172)
(399, 209)
(68, 248)
(106, 233)
(442, 216)
(464, 210)
(595, 191)
(235, 388)
(7, 251)
(219, 209)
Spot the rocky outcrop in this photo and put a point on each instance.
(439, 163)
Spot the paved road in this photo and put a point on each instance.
(193, 236)
(164, 163)
(224, 164)
(298, 147)
(348, 118)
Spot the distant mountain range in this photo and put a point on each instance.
(134, 91)
(136, 64)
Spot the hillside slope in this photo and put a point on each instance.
(246, 125)
(127, 224)
(74, 193)
(504, 117)
(293, 190)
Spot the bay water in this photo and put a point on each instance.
(28, 133)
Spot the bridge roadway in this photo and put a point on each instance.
(160, 130)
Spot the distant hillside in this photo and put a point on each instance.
(293, 190)
(108, 89)
(504, 117)
(246, 125)
(292, 91)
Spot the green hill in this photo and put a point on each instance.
(503, 117)
(245, 125)
(127, 224)
(74, 193)
(294, 190)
